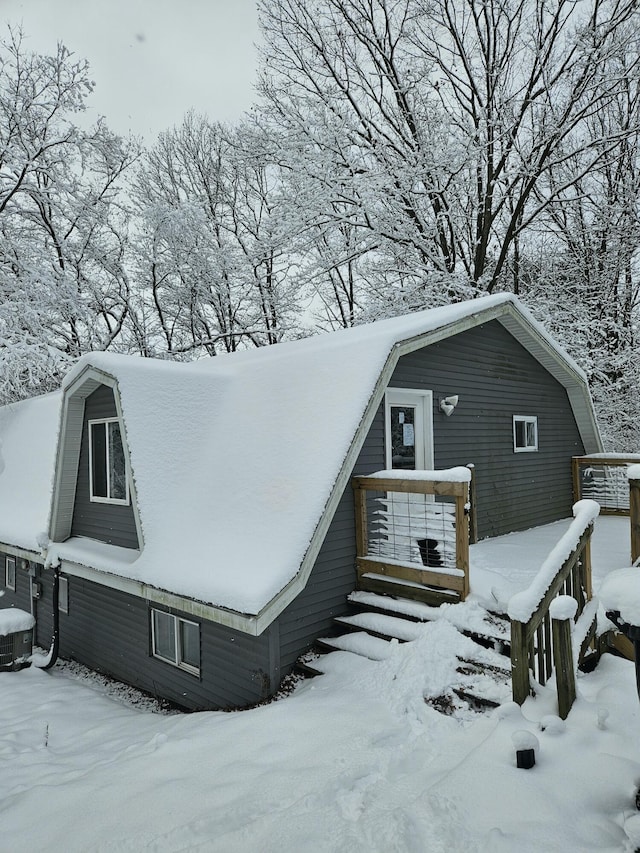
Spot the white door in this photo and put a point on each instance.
(409, 429)
(404, 518)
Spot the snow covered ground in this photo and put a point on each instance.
(352, 761)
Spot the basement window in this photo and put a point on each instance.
(175, 640)
(107, 468)
(10, 573)
(525, 434)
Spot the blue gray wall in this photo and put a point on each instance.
(496, 378)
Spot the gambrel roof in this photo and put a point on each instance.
(238, 461)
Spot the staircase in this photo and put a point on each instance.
(380, 619)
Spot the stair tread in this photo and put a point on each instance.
(490, 626)
(381, 623)
(403, 606)
(360, 643)
(407, 589)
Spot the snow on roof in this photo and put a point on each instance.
(28, 439)
(234, 458)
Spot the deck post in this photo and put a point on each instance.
(563, 661)
(519, 662)
(473, 506)
(462, 542)
(362, 537)
(575, 478)
(634, 518)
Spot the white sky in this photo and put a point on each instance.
(151, 60)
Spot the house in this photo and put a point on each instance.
(196, 520)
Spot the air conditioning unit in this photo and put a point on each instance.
(16, 638)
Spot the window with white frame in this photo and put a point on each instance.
(107, 468)
(525, 433)
(10, 573)
(175, 640)
(63, 594)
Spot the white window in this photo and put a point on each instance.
(107, 468)
(525, 433)
(63, 595)
(10, 573)
(175, 640)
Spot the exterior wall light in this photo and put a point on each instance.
(448, 404)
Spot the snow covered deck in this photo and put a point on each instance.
(505, 565)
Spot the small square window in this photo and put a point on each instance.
(63, 595)
(525, 433)
(10, 573)
(175, 640)
(107, 468)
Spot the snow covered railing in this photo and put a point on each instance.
(565, 572)
(602, 477)
(415, 527)
(633, 475)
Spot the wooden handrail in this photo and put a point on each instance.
(531, 640)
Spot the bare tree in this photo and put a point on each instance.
(434, 124)
(63, 280)
(211, 253)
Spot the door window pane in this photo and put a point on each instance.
(403, 437)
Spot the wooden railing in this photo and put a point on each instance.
(415, 529)
(532, 647)
(602, 477)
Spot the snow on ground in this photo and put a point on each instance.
(352, 761)
(506, 565)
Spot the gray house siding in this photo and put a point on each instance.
(110, 631)
(110, 523)
(496, 378)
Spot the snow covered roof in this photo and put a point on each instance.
(28, 441)
(238, 461)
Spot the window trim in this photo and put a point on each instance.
(63, 584)
(177, 661)
(99, 498)
(525, 419)
(10, 562)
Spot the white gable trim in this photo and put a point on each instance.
(68, 454)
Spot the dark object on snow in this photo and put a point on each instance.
(429, 553)
(525, 758)
(632, 632)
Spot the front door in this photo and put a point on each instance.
(409, 429)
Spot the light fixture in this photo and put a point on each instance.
(448, 404)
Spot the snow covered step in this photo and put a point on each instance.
(360, 643)
(407, 589)
(485, 626)
(414, 610)
(381, 625)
